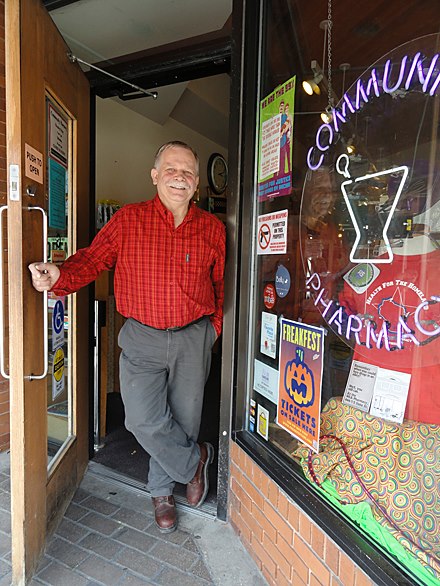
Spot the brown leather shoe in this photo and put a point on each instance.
(197, 489)
(165, 513)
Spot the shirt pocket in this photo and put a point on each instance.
(196, 266)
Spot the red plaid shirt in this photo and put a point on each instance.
(164, 276)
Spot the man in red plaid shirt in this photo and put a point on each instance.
(168, 256)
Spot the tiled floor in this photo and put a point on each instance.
(108, 537)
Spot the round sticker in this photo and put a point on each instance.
(282, 281)
(58, 364)
(269, 296)
(264, 236)
(361, 276)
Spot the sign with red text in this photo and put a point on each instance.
(272, 233)
(270, 296)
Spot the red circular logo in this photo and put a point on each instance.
(269, 296)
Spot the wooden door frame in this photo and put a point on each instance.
(38, 500)
(25, 537)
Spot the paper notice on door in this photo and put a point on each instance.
(390, 395)
(268, 341)
(360, 385)
(379, 391)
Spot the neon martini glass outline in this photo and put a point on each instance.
(343, 170)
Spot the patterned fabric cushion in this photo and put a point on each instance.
(398, 464)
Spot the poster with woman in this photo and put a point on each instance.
(275, 142)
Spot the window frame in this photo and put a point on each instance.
(354, 543)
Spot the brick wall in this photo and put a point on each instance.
(4, 385)
(288, 547)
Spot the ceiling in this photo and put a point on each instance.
(361, 34)
(185, 53)
(127, 37)
(102, 30)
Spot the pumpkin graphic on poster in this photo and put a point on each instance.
(299, 380)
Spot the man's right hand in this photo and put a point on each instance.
(44, 275)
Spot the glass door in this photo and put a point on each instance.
(59, 245)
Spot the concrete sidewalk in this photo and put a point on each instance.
(108, 537)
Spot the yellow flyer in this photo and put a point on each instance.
(300, 380)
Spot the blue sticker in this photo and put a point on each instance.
(58, 317)
(282, 281)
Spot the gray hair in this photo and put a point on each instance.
(171, 144)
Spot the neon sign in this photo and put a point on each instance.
(364, 331)
(415, 70)
(342, 165)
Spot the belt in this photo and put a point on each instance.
(178, 328)
(191, 323)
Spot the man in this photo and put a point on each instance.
(168, 257)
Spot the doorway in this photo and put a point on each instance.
(127, 137)
(184, 56)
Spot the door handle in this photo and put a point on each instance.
(2, 305)
(45, 302)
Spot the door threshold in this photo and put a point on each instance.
(208, 509)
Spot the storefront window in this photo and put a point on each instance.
(345, 337)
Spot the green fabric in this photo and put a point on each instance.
(395, 465)
(362, 515)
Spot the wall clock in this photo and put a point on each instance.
(217, 173)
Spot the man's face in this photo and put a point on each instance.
(322, 197)
(176, 176)
(281, 110)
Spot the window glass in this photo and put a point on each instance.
(345, 342)
(60, 230)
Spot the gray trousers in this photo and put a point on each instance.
(163, 375)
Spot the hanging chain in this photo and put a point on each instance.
(329, 53)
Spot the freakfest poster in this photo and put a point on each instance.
(275, 142)
(300, 380)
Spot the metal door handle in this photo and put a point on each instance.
(45, 302)
(2, 306)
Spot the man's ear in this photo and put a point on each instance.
(154, 174)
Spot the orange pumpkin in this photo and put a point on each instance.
(299, 381)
